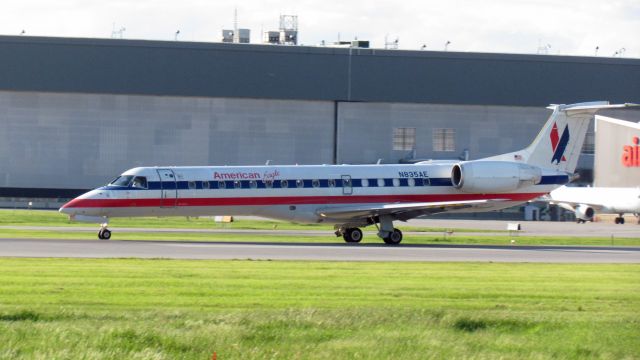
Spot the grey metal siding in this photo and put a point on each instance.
(310, 73)
(85, 140)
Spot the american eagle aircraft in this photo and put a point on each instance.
(349, 196)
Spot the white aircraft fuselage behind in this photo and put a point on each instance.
(586, 201)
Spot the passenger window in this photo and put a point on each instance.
(268, 184)
(411, 181)
(222, 185)
(396, 182)
(300, 183)
(365, 183)
(315, 183)
(237, 184)
(191, 184)
(381, 182)
(284, 184)
(139, 182)
(205, 185)
(253, 184)
(426, 181)
(332, 182)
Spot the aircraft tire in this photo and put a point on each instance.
(620, 220)
(394, 238)
(104, 234)
(352, 235)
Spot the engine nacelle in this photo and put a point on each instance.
(584, 212)
(493, 176)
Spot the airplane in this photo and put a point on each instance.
(585, 201)
(349, 196)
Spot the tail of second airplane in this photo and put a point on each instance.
(559, 143)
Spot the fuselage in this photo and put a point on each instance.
(295, 193)
(607, 200)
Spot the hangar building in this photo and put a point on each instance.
(75, 113)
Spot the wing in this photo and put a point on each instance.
(569, 204)
(401, 211)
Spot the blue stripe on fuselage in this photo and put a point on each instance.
(308, 183)
(554, 180)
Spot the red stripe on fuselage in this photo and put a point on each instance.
(292, 200)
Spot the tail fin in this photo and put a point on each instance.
(559, 143)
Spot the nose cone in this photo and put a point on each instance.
(87, 207)
(83, 204)
(65, 210)
(71, 208)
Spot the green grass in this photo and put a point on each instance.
(54, 218)
(167, 309)
(438, 235)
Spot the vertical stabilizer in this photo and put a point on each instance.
(559, 143)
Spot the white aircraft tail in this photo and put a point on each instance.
(559, 143)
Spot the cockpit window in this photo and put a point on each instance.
(140, 182)
(123, 180)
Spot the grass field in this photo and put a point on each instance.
(54, 218)
(328, 239)
(165, 309)
(437, 236)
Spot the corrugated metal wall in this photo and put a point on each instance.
(310, 73)
(74, 113)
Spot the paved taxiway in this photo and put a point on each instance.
(336, 252)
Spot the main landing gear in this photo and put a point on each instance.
(393, 238)
(104, 233)
(619, 220)
(386, 231)
(352, 235)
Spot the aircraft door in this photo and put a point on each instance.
(347, 186)
(168, 188)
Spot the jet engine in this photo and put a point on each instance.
(584, 212)
(493, 176)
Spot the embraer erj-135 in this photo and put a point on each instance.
(349, 196)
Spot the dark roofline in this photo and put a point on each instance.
(322, 50)
(179, 68)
